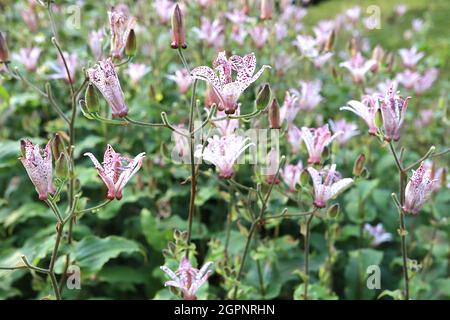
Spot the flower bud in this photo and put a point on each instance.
(390, 59)
(377, 55)
(333, 211)
(57, 146)
(178, 35)
(304, 178)
(266, 9)
(61, 166)
(4, 53)
(353, 48)
(245, 7)
(23, 144)
(378, 119)
(330, 41)
(263, 97)
(130, 48)
(359, 165)
(91, 99)
(274, 115)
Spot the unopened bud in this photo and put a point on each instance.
(61, 166)
(4, 53)
(91, 99)
(274, 115)
(359, 165)
(57, 145)
(390, 59)
(378, 119)
(330, 41)
(353, 48)
(266, 9)
(130, 48)
(263, 97)
(178, 35)
(304, 178)
(22, 148)
(377, 56)
(245, 7)
(333, 211)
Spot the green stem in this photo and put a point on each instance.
(192, 162)
(306, 266)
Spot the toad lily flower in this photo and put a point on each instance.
(327, 184)
(38, 164)
(410, 57)
(223, 152)
(226, 89)
(291, 175)
(378, 234)
(29, 57)
(393, 110)
(103, 75)
(136, 71)
(183, 80)
(358, 67)
(121, 25)
(187, 278)
(116, 170)
(418, 189)
(316, 139)
(367, 111)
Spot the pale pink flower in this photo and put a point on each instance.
(316, 139)
(226, 89)
(323, 30)
(291, 175)
(348, 129)
(30, 18)
(358, 67)
(307, 45)
(187, 278)
(417, 24)
(273, 162)
(95, 42)
(294, 138)
(183, 80)
(205, 3)
(353, 14)
(426, 81)
(38, 164)
(60, 69)
(237, 17)
(425, 118)
(410, 57)
(309, 94)
(401, 9)
(384, 86)
(378, 234)
(223, 152)
(210, 32)
(436, 174)
(367, 111)
(281, 31)
(239, 34)
(121, 24)
(289, 109)
(327, 184)
(393, 111)
(418, 189)
(259, 35)
(321, 59)
(29, 57)
(407, 78)
(103, 75)
(136, 71)
(226, 127)
(116, 170)
(282, 63)
(293, 14)
(164, 9)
